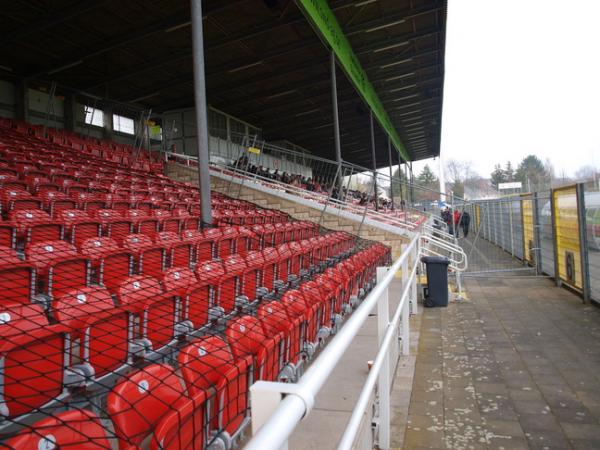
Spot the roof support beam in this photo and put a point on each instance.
(52, 20)
(173, 22)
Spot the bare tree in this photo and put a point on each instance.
(586, 173)
(459, 173)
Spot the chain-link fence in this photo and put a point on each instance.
(551, 233)
(125, 323)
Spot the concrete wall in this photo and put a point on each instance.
(296, 210)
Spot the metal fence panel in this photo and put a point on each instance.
(517, 227)
(568, 246)
(528, 230)
(592, 216)
(544, 213)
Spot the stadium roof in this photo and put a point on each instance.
(264, 63)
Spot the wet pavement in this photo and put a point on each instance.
(515, 367)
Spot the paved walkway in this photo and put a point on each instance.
(515, 367)
(323, 428)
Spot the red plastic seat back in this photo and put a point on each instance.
(270, 269)
(33, 358)
(7, 235)
(138, 290)
(73, 429)
(208, 363)
(178, 280)
(231, 282)
(226, 242)
(98, 247)
(137, 404)
(137, 242)
(247, 337)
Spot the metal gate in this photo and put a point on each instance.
(498, 235)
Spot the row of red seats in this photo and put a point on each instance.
(145, 311)
(31, 179)
(121, 154)
(30, 226)
(52, 267)
(152, 402)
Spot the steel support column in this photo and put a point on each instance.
(336, 125)
(583, 245)
(391, 173)
(374, 162)
(201, 114)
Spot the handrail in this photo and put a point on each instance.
(363, 400)
(459, 265)
(280, 425)
(410, 220)
(323, 198)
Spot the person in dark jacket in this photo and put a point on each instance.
(465, 221)
(447, 218)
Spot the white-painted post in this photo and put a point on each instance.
(383, 321)
(406, 309)
(405, 329)
(414, 304)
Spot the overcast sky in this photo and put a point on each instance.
(522, 76)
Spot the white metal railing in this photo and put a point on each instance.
(437, 242)
(277, 408)
(407, 219)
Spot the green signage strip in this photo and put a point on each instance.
(324, 21)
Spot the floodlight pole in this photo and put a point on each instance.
(391, 174)
(201, 114)
(374, 161)
(336, 124)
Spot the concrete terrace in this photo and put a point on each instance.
(515, 367)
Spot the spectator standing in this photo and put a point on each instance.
(465, 221)
(456, 221)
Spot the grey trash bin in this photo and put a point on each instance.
(436, 292)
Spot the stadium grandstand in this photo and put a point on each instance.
(203, 244)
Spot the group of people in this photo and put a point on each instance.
(456, 221)
(320, 185)
(308, 183)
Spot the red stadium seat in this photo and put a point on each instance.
(271, 259)
(203, 296)
(143, 296)
(279, 234)
(59, 267)
(114, 225)
(178, 280)
(150, 257)
(34, 226)
(142, 223)
(180, 254)
(111, 264)
(152, 402)
(207, 363)
(311, 293)
(98, 329)
(298, 308)
(227, 242)
(33, 354)
(244, 241)
(79, 226)
(253, 276)
(72, 429)
(16, 199)
(55, 202)
(7, 235)
(230, 286)
(16, 279)
(207, 246)
(247, 337)
(275, 319)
